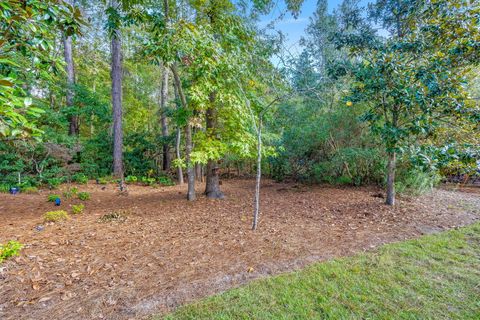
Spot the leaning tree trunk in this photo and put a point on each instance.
(391, 178)
(74, 127)
(212, 187)
(163, 119)
(259, 176)
(116, 75)
(188, 138)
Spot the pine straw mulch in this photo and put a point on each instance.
(155, 251)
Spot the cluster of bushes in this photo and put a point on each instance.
(332, 146)
(150, 181)
(63, 159)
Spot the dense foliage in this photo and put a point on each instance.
(198, 84)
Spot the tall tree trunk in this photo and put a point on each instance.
(392, 163)
(212, 187)
(259, 176)
(163, 119)
(116, 75)
(188, 138)
(74, 128)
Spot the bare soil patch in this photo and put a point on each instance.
(159, 251)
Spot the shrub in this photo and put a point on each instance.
(4, 188)
(102, 180)
(53, 183)
(166, 181)
(53, 216)
(70, 193)
(344, 180)
(30, 190)
(148, 181)
(131, 179)
(415, 182)
(84, 196)
(11, 249)
(53, 197)
(80, 178)
(78, 208)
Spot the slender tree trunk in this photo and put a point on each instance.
(191, 196)
(178, 140)
(212, 187)
(391, 178)
(163, 119)
(188, 139)
(116, 75)
(74, 127)
(177, 149)
(259, 176)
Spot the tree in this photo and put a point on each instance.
(116, 76)
(414, 80)
(74, 127)
(27, 52)
(163, 118)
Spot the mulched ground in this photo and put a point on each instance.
(169, 251)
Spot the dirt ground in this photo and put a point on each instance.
(169, 251)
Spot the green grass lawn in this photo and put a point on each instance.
(434, 277)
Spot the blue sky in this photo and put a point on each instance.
(293, 28)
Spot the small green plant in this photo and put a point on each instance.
(70, 192)
(10, 249)
(53, 216)
(4, 188)
(78, 208)
(53, 183)
(84, 196)
(80, 178)
(30, 190)
(166, 181)
(102, 180)
(148, 181)
(131, 179)
(53, 197)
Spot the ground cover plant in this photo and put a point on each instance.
(10, 249)
(54, 216)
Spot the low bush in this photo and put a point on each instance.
(54, 216)
(148, 181)
(166, 181)
(53, 197)
(30, 190)
(80, 178)
(131, 179)
(416, 181)
(78, 208)
(10, 249)
(70, 192)
(84, 196)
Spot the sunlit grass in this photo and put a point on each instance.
(434, 277)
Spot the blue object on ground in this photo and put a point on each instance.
(58, 201)
(39, 228)
(14, 190)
